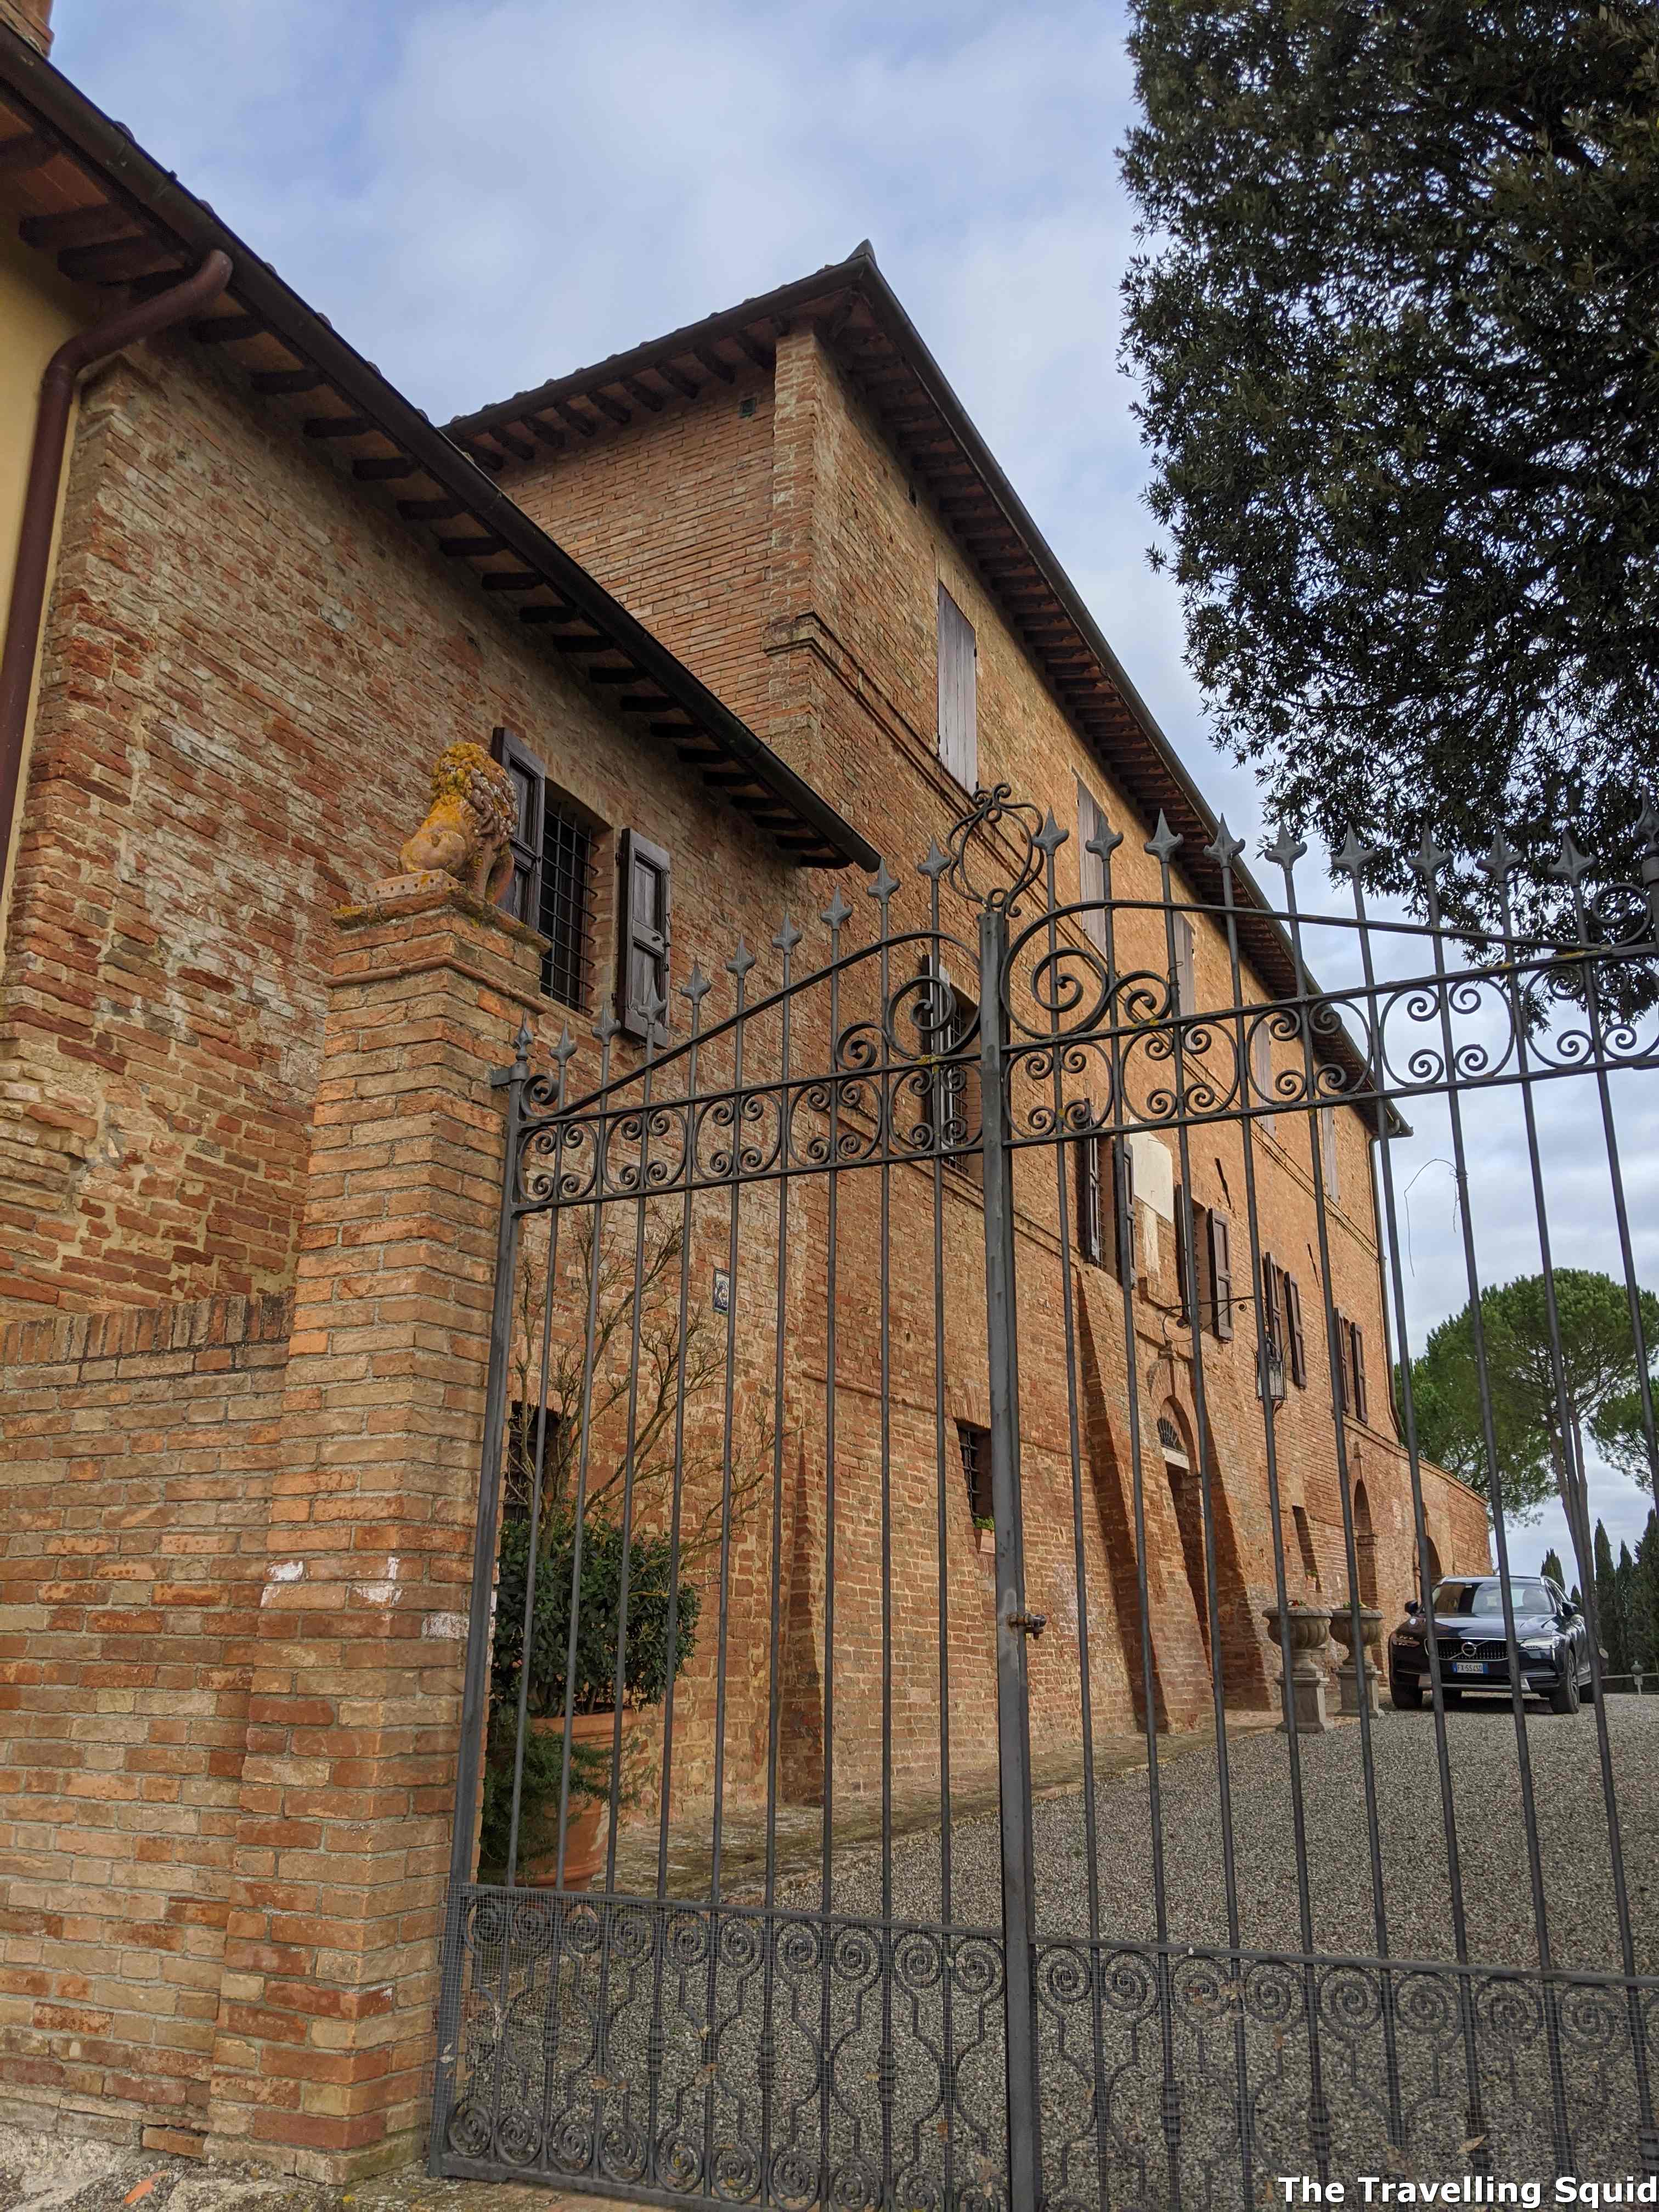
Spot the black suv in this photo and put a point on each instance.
(1468, 1627)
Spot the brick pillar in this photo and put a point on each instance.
(322, 2058)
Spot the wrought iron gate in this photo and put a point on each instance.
(1017, 1254)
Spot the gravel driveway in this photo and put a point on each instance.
(1178, 2084)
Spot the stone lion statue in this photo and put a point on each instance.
(465, 831)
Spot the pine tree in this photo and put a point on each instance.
(1622, 1650)
(1603, 1626)
(1645, 1597)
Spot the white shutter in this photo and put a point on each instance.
(958, 707)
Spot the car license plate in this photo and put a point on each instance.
(1468, 1667)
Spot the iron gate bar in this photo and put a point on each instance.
(1339, 1426)
(629, 1143)
(1013, 1708)
(1474, 2122)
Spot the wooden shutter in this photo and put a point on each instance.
(522, 898)
(1221, 1273)
(643, 936)
(1090, 868)
(1358, 1356)
(958, 708)
(1123, 1209)
(1298, 1350)
(1091, 1240)
(1183, 1310)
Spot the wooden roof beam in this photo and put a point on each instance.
(385, 471)
(546, 432)
(577, 421)
(227, 330)
(341, 426)
(712, 361)
(273, 383)
(463, 549)
(653, 401)
(430, 510)
(85, 226)
(31, 150)
(606, 405)
(520, 448)
(511, 580)
(762, 356)
(118, 263)
(676, 380)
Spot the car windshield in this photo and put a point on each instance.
(1487, 1598)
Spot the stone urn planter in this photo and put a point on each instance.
(1357, 1672)
(585, 1823)
(985, 1543)
(1301, 1692)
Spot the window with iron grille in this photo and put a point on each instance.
(950, 1103)
(566, 905)
(975, 1445)
(552, 884)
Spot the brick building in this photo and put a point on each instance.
(249, 1155)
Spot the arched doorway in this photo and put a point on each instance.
(1187, 1496)
(1364, 1543)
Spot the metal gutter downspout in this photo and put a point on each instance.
(28, 589)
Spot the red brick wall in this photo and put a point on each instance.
(852, 555)
(136, 1466)
(248, 672)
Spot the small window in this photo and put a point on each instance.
(1092, 830)
(642, 949)
(1273, 1344)
(1327, 1151)
(1185, 980)
(975, 1446)
(958, 706)
(531, 1430)
(552, 883)
(950, 1103)
(1305, 1544)
(1105, 1205)
(1351, 1343)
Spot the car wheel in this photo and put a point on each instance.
(1565, 1699)
(1407, 1696)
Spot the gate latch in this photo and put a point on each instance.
(1032, 1623)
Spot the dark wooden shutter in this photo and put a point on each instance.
(1221, 1273)
(1359, 1406)
(1298, 1350)
(643, 935)
(523, 896)
(1091, 1240)
(958, 704)
(1183, 1309)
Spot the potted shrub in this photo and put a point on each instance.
(985, 1534)
(647, 1668)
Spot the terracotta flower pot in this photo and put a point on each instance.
(583, 1830)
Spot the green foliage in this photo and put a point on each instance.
(600, 1617)
(538, 1793)
(1599, 1374)
(1397, 329)
(1554, 1569)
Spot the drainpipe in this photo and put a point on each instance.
(28, 589)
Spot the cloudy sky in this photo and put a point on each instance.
(481, 193)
